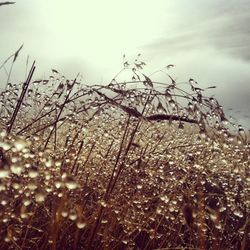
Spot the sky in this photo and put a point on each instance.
(207, 40)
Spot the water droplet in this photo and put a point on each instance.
(172, 103)
(15, 169)
(5, 146)
(238, 213)
(70, 183)
(3, 134)
(103, 203)
(26, 202)
(40, 197)
(164, 198)
(81, 224)
(32, 185)
(4, 202)
(4, 172)
(33, 172)
(213, 217)
(72, 215)
(64, 213)
(20, 144)
(58, 184)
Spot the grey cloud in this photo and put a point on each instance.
(222, 24)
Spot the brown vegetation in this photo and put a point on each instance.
(120, 166)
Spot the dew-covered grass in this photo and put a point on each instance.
(131, 164)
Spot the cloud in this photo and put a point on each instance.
(222, 25)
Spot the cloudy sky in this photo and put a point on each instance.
(208, 40)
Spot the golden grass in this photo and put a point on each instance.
(116, 167)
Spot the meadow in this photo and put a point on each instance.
(130, 164)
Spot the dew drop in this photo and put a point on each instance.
(73, 215)
(70, 183)
(16, 169)
(238, 213)
(32, 185)
(80, 224)
(20, 144)
(33, 173)
(64, 213)
(40, 197)
(4, 172)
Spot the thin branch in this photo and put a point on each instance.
(20, 100)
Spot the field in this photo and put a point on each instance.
(131, 164)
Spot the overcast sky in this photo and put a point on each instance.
(208, 40)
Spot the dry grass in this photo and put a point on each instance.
(120, 167)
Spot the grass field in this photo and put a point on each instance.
(133, 164)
